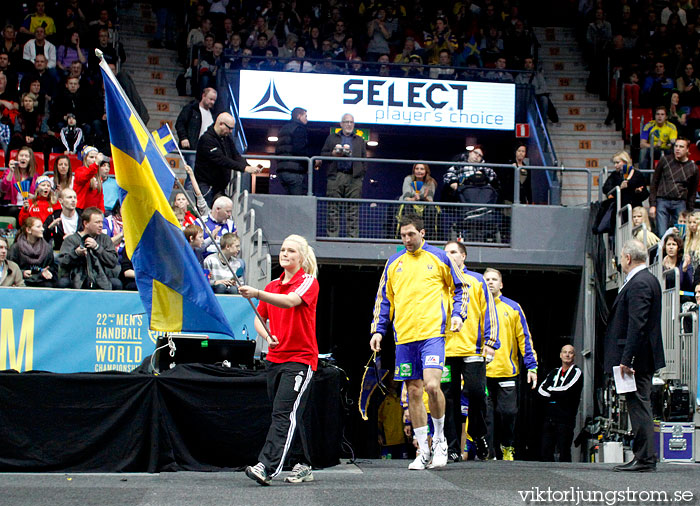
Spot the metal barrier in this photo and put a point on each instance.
(688, 345)
(363, 219)
(670, 330)
(623, 229)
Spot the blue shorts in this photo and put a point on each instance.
(412, 358)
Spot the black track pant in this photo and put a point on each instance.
(474, 389)
(288, 388)
(503, 410)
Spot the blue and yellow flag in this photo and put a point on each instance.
(171, 283)
(164, 139)
(472, 47)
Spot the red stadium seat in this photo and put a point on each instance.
(2, 159)
(38, 158)
(637, 114)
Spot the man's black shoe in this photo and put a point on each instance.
(454, 456)
(636, 466)
(482, 448)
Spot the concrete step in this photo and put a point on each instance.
(562, 64)
(578, 97)
(167, 106)
(144, 62)
(585, 144)
(154, 83)
(154, 76)
(594, 162)
(567, 84)
(576, 127)
(554, 33)
(556, 50)
(566, 74)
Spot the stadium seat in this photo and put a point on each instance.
(2, 159)
(637, 114)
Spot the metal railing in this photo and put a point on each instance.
(688, 347)
(378, 221)
(671, 303)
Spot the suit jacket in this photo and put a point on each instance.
(633, 336)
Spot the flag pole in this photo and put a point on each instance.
(108, 71)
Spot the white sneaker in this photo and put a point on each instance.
(420, 463)
(439, 453)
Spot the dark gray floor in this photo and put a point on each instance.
(384, 482)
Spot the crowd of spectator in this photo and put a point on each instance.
(51, 96)
(388, 39)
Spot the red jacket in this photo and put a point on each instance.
(42, 208)
(81, 184)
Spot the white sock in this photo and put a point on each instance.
(439, 424)
(422, 438)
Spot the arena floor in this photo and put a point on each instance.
(368, 482)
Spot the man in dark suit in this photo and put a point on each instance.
(633, 341)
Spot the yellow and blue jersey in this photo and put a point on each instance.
(515, 336)
(420, 292)
(482, 325)
(666, 133)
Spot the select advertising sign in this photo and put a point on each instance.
(67, 331)
(378, 100)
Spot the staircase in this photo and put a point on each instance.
(154, 70)
(581, 138)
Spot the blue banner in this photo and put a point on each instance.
(67, 331)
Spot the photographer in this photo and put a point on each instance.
(379, 34)
(19, 181)
(344, 176)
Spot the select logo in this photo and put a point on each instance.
(271, 102)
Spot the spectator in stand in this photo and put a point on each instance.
(63, 221)
(457, 176)
(443, 70)
(38, 19)
(40, 46)
(327, 66)
(259, 29)
(10, 46)
(233, 52)
(261, 46)
(195, 238)
(440, 38)
(72, 18)
(338, 37)
(357, 68)
(218, 223)
(656, 85)
(62, 174)
(110, 189)
(227, 32)
(692, 242)
(220, 277)
(293, 141)
(409, 47)
(87, 258)
(33, 255)
(179, 201)
(633, 188)
(673, 7)
(689, 86)
(640, 215)
(344, 177)
(298, 64)
(312, 44)
(88, 183)
(661, 133)
(196, 36)
(7, 67)
(195, 118)
(8, 98)
(20, 174)
(113, 226)
(111, 54)
(382, 67)
(42, 204)
(288, 50)
(209, 67)
(535, 77)
(519, 43)
(72, 100)
(10, 273)
(420, 186)
(270, 62)
(379, 34)
(103, 21)
(678, 114)
(47, 80)
(31, 127)
(5, 135)
(415, 67)
(71, 135)
(492, 45)
(674, 256)
(165, 24)
(217, 156)
(673, 186)
(71, 51)
(499, 74)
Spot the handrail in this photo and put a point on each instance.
(234, 112)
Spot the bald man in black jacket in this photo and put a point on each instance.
(633, 341)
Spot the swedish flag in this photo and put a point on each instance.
(164, 139)
(171, 283)
(472, 47)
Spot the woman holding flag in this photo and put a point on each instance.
(289, 304)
